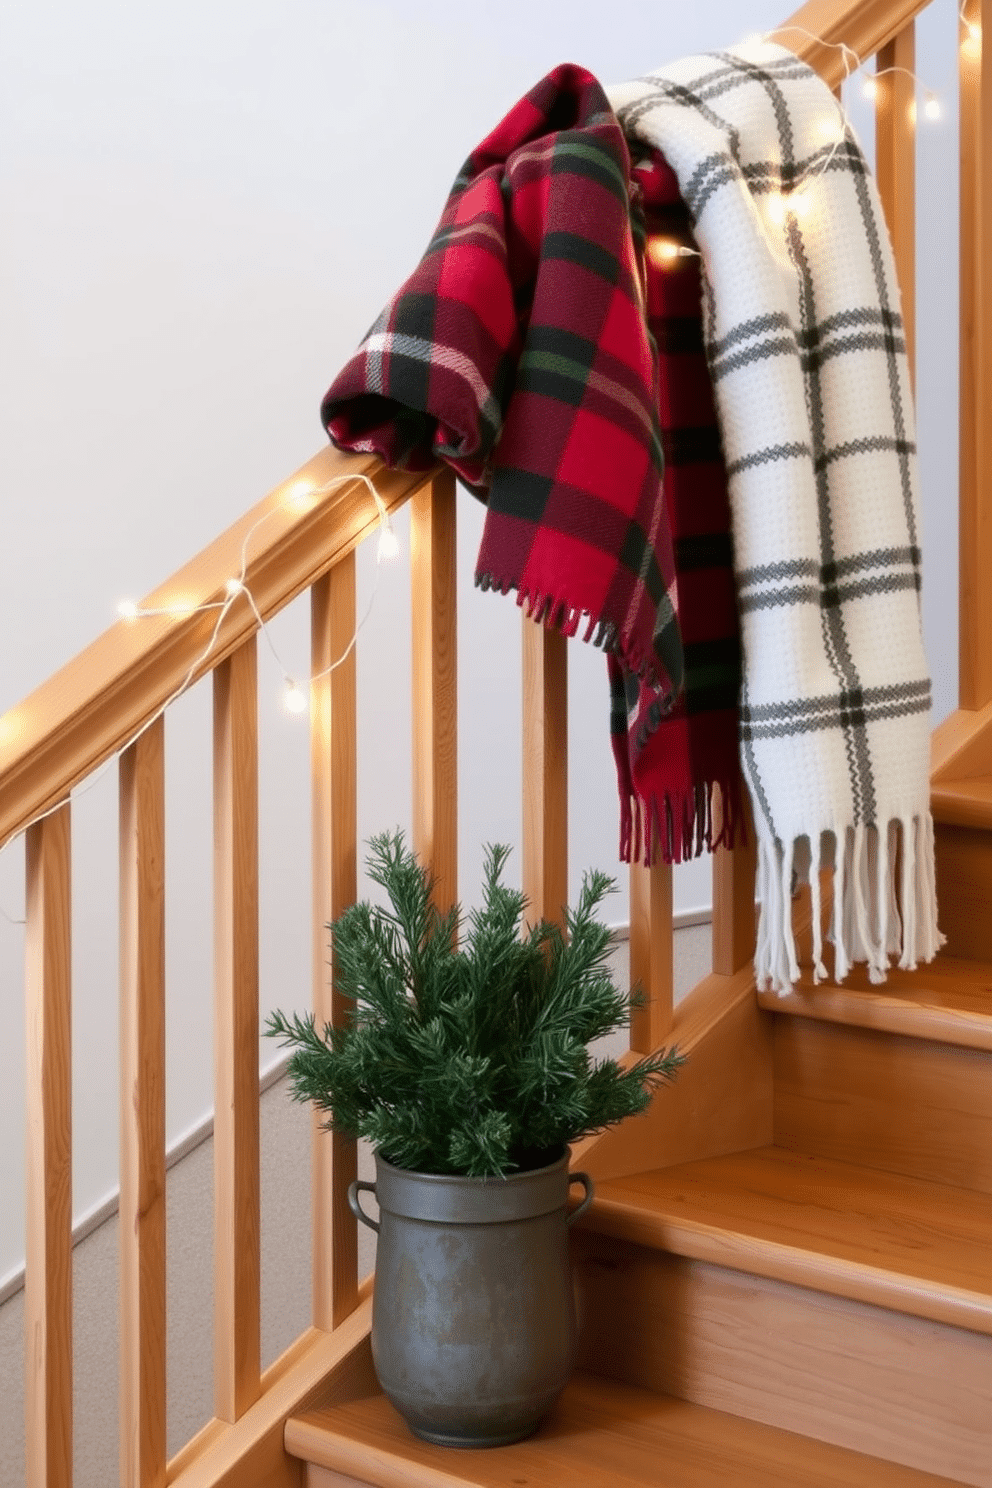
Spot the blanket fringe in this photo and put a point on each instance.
(874, 917)
(679, 825)
(555, 613)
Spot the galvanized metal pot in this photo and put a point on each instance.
(473, 1320)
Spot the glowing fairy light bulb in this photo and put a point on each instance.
(127, 609)
(662, 251)
(932, 106)
(234, 587)
(389, 543)
(776, 210)
(294, 698)
(800, 203)
(870, 88)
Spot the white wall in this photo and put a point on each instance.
(204, 205)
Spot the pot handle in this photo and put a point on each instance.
(354, 1189)
(586, 1182)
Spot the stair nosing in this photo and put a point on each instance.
(776, 1261)
(813, 1267)
(886, 1011)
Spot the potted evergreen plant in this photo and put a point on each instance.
(465, 1063)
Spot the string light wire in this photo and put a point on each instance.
(236, 588)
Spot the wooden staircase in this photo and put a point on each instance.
(834, 1281)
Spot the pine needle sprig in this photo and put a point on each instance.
(468, 1058)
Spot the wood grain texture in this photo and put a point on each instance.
(961, 745)
(895, 166)
(334, 827)
(963, 803)
(721, 1099)
(919, 1248)
(251, 1453)
(651, 961)
(975, 368)
(545, 772)
(434, 591)
(902, 1389)
(48, 1157)
(94, 705)
(142, 1112)
(865, 25)
(601, 1434)
(734, 918)
(902, 1105)
(948, 1001)
(237, 1239)
(964, 890)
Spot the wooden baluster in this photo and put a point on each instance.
(333, 753)
(651, 953)
(895, 165)
(975, 280)
(435, 683)
(237, 1262)
(733, 896)
(48, 1074)
(142, 1111)
(545, 772)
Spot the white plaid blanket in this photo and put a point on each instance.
(807, 352)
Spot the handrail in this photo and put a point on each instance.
(865, 26)
(87, 711)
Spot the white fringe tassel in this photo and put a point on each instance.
(873, 918)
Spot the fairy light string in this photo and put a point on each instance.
(296, 689)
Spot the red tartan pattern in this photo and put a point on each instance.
(518, 352)
(668, 762)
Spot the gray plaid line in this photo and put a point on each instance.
(840, 720)
(865, 342)
(763, 352)
(875, 559)
(798, 708)
(836, 643)
(793, 568)
(774, 599)
(665, 91)
(775, 322)
(875, 444)
(763, 76)
(768, 456)
(864, 315)
(829, 597)
(895, 394)
(806, 568)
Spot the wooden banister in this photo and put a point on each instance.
(433, 592)
(975, 293)
(895, 165)
(651, 967)
(87, 711)
(865, 26)
(142, 1111)
(545, 772)
(48, 1274)
(334, 777)
(237, 1239)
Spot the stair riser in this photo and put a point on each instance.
(964, 890)
(845, 1372)
(905, 1105)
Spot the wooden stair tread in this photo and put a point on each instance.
(601, 1434)
(949, 1001)
(963, 803)
(911, 1246)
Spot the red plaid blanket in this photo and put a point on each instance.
(518, 352)
(669, 759)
